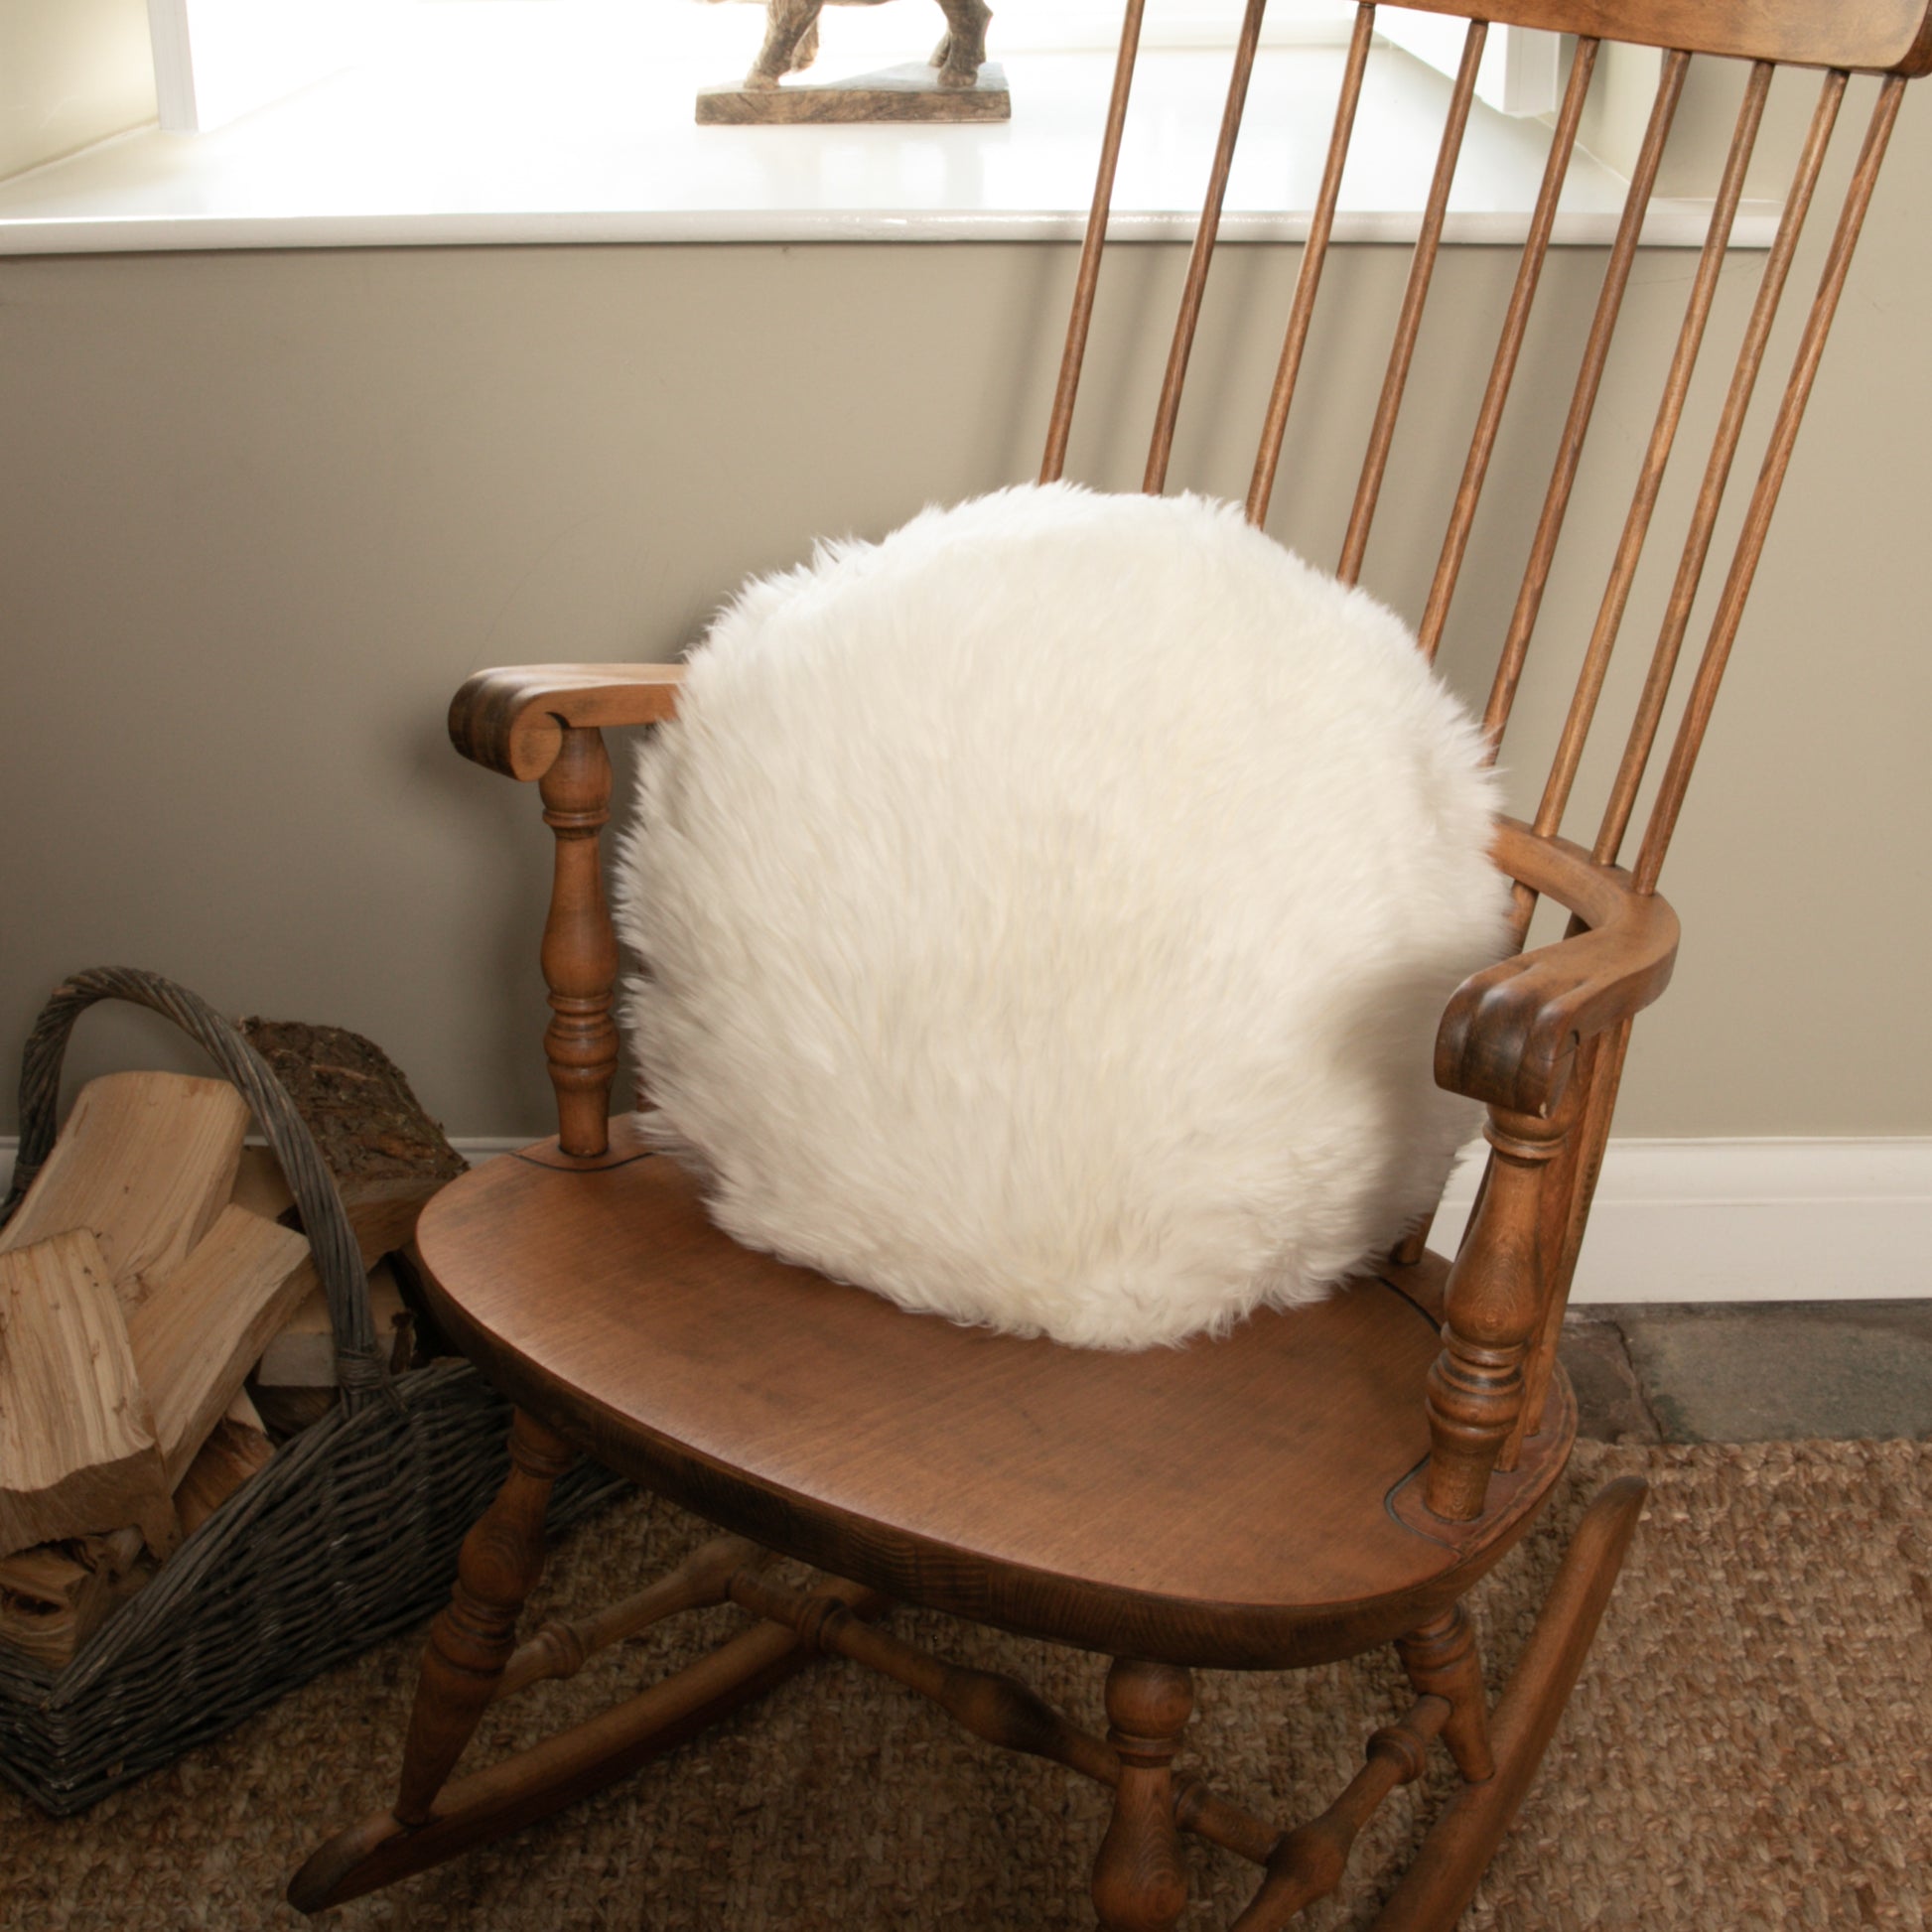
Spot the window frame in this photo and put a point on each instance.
(507, 158)
(1522, 67)
(215, 61)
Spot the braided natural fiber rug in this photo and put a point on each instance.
(1746, 1751)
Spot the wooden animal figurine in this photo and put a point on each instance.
(792, 40)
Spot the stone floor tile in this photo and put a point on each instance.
(1765, 1371)
(1610, 1404)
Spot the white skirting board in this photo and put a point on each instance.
(1709, 1220)
(1737, 1220)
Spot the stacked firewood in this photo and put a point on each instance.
(161, 1324)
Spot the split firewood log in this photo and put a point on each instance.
(230, 1456)
(53, 1598)
(146, 1161)
(204, 1325)
(288, 1412)
(302, 1353)
(237, 1449)
(243, 1412)
(260, 1187)
(79, 1452)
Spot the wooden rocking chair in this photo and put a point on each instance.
(1316, 1483)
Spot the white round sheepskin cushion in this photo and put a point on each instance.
(1048, 912)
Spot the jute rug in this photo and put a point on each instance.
(1748, 1751)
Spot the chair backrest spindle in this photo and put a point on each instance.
(1723, 448)
(1086, 282)
(1891, 36)
(1205, 232)
(1757, 517)
(1422, 270)
(1582, 402)
(1650, 478)
(1307, 279)
(1483, 443)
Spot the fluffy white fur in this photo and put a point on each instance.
(1048, 913)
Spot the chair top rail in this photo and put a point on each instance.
(1867, 35)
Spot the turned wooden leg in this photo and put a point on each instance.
(481, 1806)
(1494, 1300)
(471, 1641)
(1443, 1877)
(1442, 1661)
(1140, 1883)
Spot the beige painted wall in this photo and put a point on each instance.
(72, 71)
(259, 514)
(1617, 110)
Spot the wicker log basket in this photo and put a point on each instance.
(348, 1536)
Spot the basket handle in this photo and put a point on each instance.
(361, 1369)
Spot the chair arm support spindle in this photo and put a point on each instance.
(580, 947)
(1494, 1304)
(542, 722)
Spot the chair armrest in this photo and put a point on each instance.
(513, 719)
(543, 721)
(1510, 1034)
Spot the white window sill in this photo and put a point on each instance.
(432, 148)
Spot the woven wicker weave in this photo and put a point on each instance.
(350, 1533)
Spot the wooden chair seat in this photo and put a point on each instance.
(1238, 1501)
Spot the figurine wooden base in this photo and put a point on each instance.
(907, 94)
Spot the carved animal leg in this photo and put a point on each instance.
(1140, 1883)
(1442, 1661)
(471, 1641)
(787, 23)
(1443, 1878)
(962, 53)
